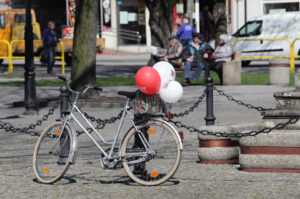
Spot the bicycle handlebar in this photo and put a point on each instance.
(87, 87)
(62, 77)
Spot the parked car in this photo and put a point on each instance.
(274, 26)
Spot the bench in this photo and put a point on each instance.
(181, 69)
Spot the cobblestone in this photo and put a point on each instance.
(192, 180)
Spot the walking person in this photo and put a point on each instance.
(194, 55)
(50, 40)
(186, 32)
(222, 54)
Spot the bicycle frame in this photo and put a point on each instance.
(110, 155)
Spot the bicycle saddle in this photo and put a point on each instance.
(130, 95)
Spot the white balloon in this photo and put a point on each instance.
(172, 92)
(166, 71)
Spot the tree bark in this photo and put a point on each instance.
(84, 44)
(220, 19)
(160, 21)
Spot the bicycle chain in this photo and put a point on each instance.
(237, 134)
(191, 109)
(30, 129)
(239, 102)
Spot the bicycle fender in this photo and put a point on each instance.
(75, 143)
(155, 119)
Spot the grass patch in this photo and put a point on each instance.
(247, 79)
(11, 75)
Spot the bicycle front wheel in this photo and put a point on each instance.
(51, 157)
(156, 163)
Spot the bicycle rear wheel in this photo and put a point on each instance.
(51, 157)
(161, 163)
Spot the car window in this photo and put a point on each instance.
(2, 21)
(250, 29)
(20, 18)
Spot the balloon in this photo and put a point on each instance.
(172, 92)
(148, 80)
(166, 71)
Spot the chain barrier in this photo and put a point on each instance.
(237, 134)
(101, 123)
(191, 109)
(30, 129)
(239, 102)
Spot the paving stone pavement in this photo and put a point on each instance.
(192, 180)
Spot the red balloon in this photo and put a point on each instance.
(148, 80)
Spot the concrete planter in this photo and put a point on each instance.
(278, 151)
(232, 73)
(221, 150)
(279, 72)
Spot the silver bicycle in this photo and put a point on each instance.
(150, 151)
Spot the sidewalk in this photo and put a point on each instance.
(106, 66)
(192, 180)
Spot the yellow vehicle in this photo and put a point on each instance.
(12, 30)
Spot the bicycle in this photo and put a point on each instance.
(150, 151)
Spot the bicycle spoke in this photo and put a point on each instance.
(160, 162)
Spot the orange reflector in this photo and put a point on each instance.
(46, 171)
(181, 135)
(154, 174)
(57, 132)
(151, 131)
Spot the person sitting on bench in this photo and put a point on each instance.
(174, 52)
(222, 54)
(194, 55)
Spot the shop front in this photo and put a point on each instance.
(124, 23)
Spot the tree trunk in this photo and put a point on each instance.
(84, 44)
(160, 21)
(220, 19)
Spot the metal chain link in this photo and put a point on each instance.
(191, 109)
(237, 134)
(30, 129)
(101, 123)
(239, 102)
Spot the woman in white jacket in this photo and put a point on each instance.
(222, 54)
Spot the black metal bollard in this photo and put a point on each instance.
(206, 72)
(64, 99)
(64, 144)
(140, 168)
(210, 118)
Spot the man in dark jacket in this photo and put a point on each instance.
(174, 52)
(194, 55)
(49, 41)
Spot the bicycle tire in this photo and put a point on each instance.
(150, 181)
(41, 172)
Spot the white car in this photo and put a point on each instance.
(285, 25)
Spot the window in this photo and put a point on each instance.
(2, 21)
(20, 18)
(272, 8)
(251, 28)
